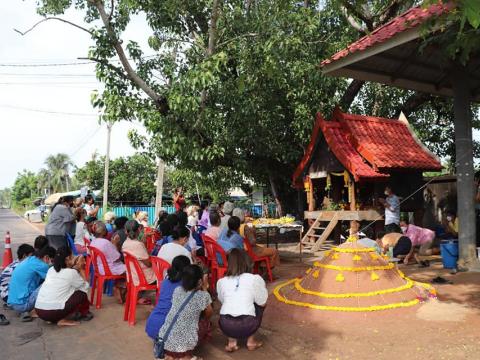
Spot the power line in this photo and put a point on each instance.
(45, 111)
(85, 141)
(49, 64)
(46, 75)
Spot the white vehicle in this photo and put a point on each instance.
(35, 215)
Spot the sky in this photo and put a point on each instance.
(47, 110)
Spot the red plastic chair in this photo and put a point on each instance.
(133, 289)
(98, 279)
(151, 237)
(257, 260)
(88, 258)
(159, 267)
(217, 271)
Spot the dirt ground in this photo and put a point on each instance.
(444, 330)
(288, 332)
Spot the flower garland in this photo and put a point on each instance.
(281, 298)
(347, 268)
(299, 287)
(349, 250)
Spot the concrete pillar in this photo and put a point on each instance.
(464, 168)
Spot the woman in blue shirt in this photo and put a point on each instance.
(169, 284)
(231, 238)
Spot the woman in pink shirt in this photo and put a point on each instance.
(421, 238)
(214, 230)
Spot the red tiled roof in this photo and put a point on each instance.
(387, 144)
(338, 141)
(368, 147)
(407, 20)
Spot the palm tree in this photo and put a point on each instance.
(43, 181)
(58, 167)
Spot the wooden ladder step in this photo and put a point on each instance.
(318, 228)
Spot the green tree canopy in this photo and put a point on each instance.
(132, 179)
(25, 186)
(232, 87)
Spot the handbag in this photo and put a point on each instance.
(159, 342)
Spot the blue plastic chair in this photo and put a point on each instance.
(71, 243)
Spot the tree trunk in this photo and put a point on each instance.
(464, 166)
(350, 94)
(276, 196)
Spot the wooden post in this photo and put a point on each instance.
(351, 195)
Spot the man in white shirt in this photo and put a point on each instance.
(392, 211)
(170, 251)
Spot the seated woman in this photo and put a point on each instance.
(243, 297)
(112, 255)
(120, 235)
(170, 251)
(109, 218)
(214, 230)
(81, 231)
(64, 291)
(137, 249)
(231, 239)
(248, 232)
(169, 284)
(185, 335)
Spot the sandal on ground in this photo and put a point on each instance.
(255, 346)
(3, 320)
(231, 349)
(25, 317)
(144, 301)
(196, 358)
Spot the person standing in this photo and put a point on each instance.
(179, 199)
(90, 207)
(60, 222)
(392, 211)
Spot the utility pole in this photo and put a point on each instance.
(159, 183)
(107, 163)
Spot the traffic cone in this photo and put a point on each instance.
(7, 255)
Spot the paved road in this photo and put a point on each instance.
(21, 231)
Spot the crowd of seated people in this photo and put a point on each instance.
(50, 282)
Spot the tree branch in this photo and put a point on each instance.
(23, 33)
(352, 21)
(350, 94)
(161, 102)
(413, 103)
(389, 12)
(366, 18)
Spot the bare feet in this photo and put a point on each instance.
(33, 314)
(65, 322)
(232, 345)
(252, 344)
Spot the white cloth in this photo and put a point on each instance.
(170, 251)
(192, 220)
(238, 294)
(392, 211)
(58, 287)
(80, 233)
